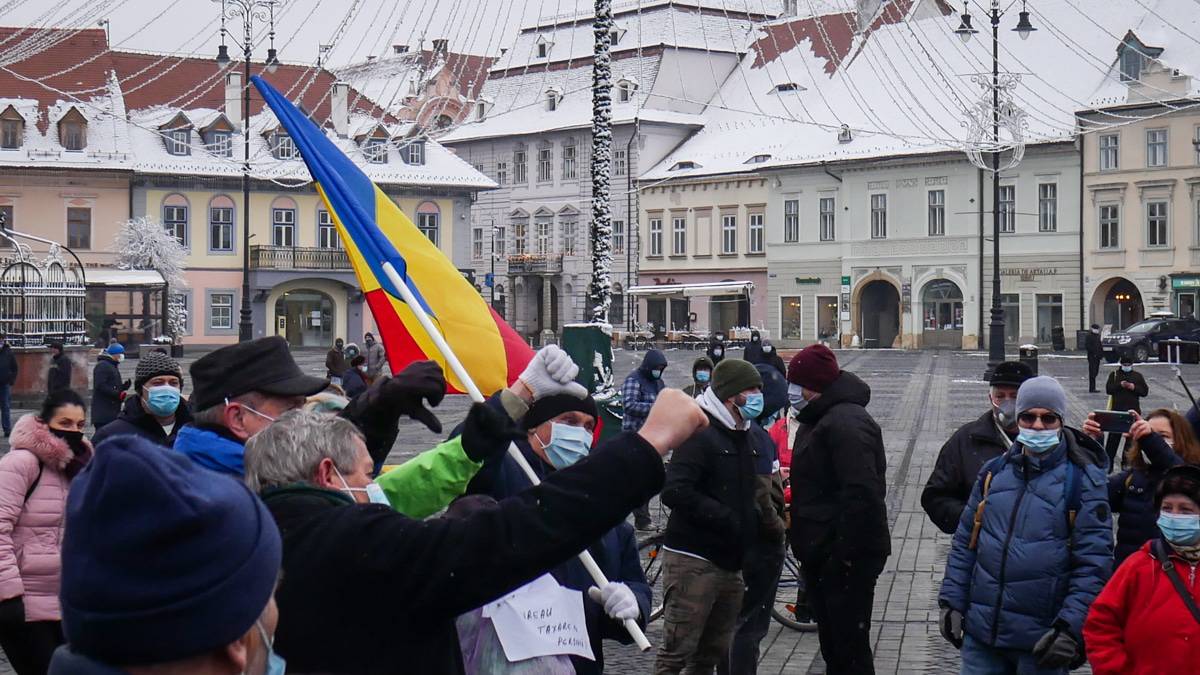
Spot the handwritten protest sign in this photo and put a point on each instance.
(541, 619)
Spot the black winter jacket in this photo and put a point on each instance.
(136, 421)
(1126, 399)
(839, 478)
(710, 489)
(957, 468)
(754, 351)
(59, 376)
(106, 390)
(365, 589)
(8, 365)
(1095, 349)
(1131, 497)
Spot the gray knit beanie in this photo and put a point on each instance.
(1042, 392)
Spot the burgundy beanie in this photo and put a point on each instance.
(815, 367)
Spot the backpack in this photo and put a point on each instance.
(1073, 490)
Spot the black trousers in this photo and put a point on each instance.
(1093, 371)
(760, 573)
(29, 645)
(841, 598)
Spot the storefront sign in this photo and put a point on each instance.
(845, 281)
(1028, 273)
(1185, 282)
(808, 280)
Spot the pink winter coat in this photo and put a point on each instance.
(31, 531)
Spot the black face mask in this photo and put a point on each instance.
(74, 439)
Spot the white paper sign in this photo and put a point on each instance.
(541, 619)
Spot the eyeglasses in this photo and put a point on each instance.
(1047, 419)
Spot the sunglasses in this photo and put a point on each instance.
(1047, 419)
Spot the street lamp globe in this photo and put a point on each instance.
(222, 56)
(272, 60)
(1024, 27)
(965, 30)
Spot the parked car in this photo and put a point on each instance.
(1141, 339)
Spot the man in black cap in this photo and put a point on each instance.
(974, 444)
(1095, 352)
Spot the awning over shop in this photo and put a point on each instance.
(110, 278)
(693, 290)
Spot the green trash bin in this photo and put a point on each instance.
(590, 346)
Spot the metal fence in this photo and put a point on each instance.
(41, 301)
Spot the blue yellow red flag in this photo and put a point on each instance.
(375, 231)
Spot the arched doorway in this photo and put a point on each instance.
(879, 314)
(941, 315)
(304, 317)
(1120, 304)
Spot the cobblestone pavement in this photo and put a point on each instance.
(919, 399)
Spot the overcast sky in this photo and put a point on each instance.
(191, 26)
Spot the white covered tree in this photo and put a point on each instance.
(144, 244)
(600, 288)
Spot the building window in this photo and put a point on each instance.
(828, 232)
(568, 160)
(220, 144)
(520, 237)
(1156, 147)
(327, 235)
(74, 136)
(1008, 208)
(1010, 303)
(543, 50)
(414, 153)
(570, 235)
(499, 244)
(879, 216)
(183, 301)
(679, 236)
(1110, 226)
(545, 162)
(429, 224)
(1196, 145)
(616, 309)
(79, 227)
(520, 167)
(220, 311)
(620, 163)
(179, 142)
(1048, 207)
(728, 234)
(756, 232)
(544, 237)
(656, 237)
(477, 243)
(376, 150)
(1156, 224)
(1110, 147)
(1131, 63)
(790, 320)
(220, 228)
(937, 213)
(791, 220)
(175, 221)
(11, 134)
(618, 236)
(1049, 315)
(502, 173)
(283, 227)
(284, 147)
(552, 100)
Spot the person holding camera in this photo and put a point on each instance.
(1125, 387)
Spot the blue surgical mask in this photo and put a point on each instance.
(1181, 529)
(275, 663)
(1039, 441)
(703, 376)
(162, 401)
(375, 494)
(568, 444)
(796, 397)
(656, 374)
(753, 406)
(1128, 369)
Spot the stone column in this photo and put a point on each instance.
(547, 336)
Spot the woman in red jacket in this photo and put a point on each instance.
(1140, 622)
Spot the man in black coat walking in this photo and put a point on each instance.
(108, 390)
(1095, 352)
(8, 377)
(839, 518)
(975, 443)
(59, 375)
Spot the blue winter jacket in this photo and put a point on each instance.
(1032, 571)
(212, 448)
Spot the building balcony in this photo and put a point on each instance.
(298, 258)
(535, 263)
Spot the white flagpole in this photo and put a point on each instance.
(464, 378)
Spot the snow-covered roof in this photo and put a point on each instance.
(107, 139)
(900, 79)
(114, 277)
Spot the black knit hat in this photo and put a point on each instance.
(1183, 479)
(151, 365)
(1011, 374)
(733, 376)
(552, 406)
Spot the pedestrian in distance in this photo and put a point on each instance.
(1160, 441)
(1037, 534)
(354, 378)
(710, 489)
(335, 362)
(771, 356)
(108, 389)
(386, 589)
(1125, 387)
(839, 526)
(158, 410)
(8, 377)
(58, 377)
(1146, 621)
(716, 350)
(1095, 353)
(376, 358)
(973, 445)
(48, 451)
(753, 353)
(701, 376)
(638, 393)
(166, 568)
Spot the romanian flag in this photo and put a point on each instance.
(374, 231)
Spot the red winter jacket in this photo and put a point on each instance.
(1139, 624)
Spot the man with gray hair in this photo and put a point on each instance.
(364, 585)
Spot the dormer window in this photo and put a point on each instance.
(616, 35)
(542, 47)
(625, 89)
(220, 143)
(72, 131)
(844, 134)
(12, 129)
(376, 150)
(553, 98)
(1133, 57)
(786, 88)
(482, 108)
(283, 147)
(758, 159)
(179, 141)
(414, 153)
(684, 165)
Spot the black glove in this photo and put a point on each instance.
(126, 384)
(951, 626)
(376, 412)
(1056, 649)
(487, 432)
(12, 611)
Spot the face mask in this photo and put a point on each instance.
(1006, 412)
(718, 351)
(754, 339)
(275, 663)
(767, 349)
(796, 397)
(370, 341)
(702, 376)
(1182, 529)
(1128, 369)
(74, 439)
(262, 415)
(568, 444)
(1096, 331)
(753, 406)
(1039, 441)
(656, 374)
(162, 400)
(375, 493)
(362, 369)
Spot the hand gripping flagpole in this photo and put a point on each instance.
(406, 294)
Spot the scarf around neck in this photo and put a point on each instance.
(715, 407)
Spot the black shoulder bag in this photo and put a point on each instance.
(1160, 554)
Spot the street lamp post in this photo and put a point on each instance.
(1000, 111)
(248, 11)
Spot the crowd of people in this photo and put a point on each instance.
(249, 527)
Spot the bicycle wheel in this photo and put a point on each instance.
(791, 608)
(650, 554)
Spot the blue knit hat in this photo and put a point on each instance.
(115, 348)
(162, 560)
(1042, 392)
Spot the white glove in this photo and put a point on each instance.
(618, 601)
(552, 372)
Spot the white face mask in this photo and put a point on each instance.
(375, 493)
